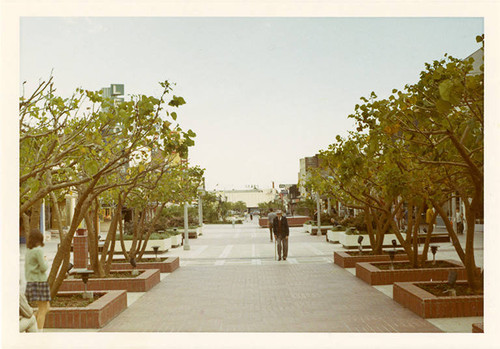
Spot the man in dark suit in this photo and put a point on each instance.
(281, 232)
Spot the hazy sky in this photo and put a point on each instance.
(261, 93)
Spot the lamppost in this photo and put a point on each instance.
(186, 227)
(200, 206)
(318, 204)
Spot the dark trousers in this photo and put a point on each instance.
(282, 244)
(271, 231)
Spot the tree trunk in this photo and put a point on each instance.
(35, 216)
(430, 229)
(57, 213)
(369, 227)
(451, 232)
(156, 216)
(470, 263)
(26, 226)
(416, 230)
(59, 265)
(111, 252)
(110, 237)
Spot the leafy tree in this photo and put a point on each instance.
(420, 146)
(91, 145)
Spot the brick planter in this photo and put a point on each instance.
(292, 221)
(163, 245)
(427, 305)
(345, 260)
(167, 266)
(370, 273)
(333, 235)
(313, 229)
(478, 328)
(142, 283)
(94, 315)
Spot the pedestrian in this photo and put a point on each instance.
(27, 319)
(460, 221)
(251, 217)
(281, 232)
(35, 266)
(429, 214)
(270, 217)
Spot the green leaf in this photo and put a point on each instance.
(443, 106)
(174, 115)
(445, 89)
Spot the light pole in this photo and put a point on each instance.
(200, 206)
(186, 228)
(318, 205)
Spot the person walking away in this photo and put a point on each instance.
(428, 216)
(281, 232)
(35, 266)
(270, 218)
(27, 320)
(460, 221)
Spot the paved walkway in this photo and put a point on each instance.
(229, 282)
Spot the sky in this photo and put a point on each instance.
(261, 92)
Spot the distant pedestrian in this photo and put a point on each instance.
(429, 215)
(270, 217)
(35, 266)
(281, 232)
(251, 216)
(460, 221)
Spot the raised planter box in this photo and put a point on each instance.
(163, 244)
(142, 283)
(167, 266)
(95, 315)
(294, 221)
(371, 274)
(176, 240)
(351, 241)
(333, 236)
(313, 229)
(345, 260)
(435, 237)
(427, 305)
(478, 328)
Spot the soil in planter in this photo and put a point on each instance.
(439, 290)
(407, 265)
(114, 275)
(143, 260)
(370, 253)
(69, 301)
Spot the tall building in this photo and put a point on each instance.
(305, 166)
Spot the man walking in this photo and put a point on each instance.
(270, 218)
(281, 232)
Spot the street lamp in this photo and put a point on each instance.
(186, 228)
(200, 205)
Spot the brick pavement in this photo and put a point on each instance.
(265, 298)
(222, 289)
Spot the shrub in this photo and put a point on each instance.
(351, 231)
